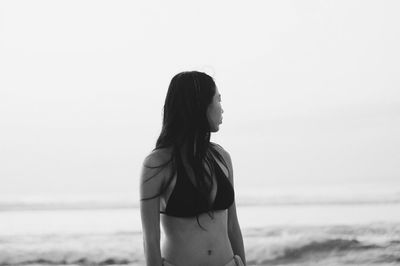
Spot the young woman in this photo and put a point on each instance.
(187, 182)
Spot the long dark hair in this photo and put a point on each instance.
(186, 130)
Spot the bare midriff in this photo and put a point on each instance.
(185, 243)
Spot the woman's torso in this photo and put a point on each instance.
(185, 243)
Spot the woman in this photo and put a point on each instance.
(187, 182)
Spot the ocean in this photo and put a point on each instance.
(302, 234)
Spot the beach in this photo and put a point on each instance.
(302, 234)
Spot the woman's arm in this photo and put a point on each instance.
(151, 181)
(234, 232)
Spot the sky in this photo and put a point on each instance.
(310, 91)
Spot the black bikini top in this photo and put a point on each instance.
(186, 201)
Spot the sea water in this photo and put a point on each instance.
(274, 234)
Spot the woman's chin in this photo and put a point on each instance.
(215, 129)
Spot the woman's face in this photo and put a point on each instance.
(214, 112)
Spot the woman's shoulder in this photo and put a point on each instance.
(224, 153)
(156, 167)
(158, 157)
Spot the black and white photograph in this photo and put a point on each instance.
(199, 133)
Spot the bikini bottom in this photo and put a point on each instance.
(236, 261)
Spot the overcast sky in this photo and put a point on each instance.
(310, 90)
